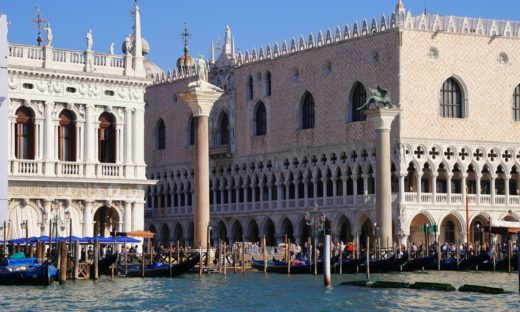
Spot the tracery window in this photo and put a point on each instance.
(160, 135)
(451, 100)
(516, 104)
(25, 134)
(249, 87)
(307, 111)
(268, 84)
(67, 136)
(359, 96)
(260, 120)
(224, 129)
(107, 138)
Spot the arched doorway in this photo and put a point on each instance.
(287, 229)
(222, 232)
(366, 231)
(306, 231)
(269, 233)
(480, 230)
(252, 231)
(179, 234)
(106, 220)
(165, 235)
(236, 231)
(345, 231)
(417, 235)
(450, 230)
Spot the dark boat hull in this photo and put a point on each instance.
(280, 267)
(40, 275)
(418, 263)
(104, 265)
(162, 270)
(383, 266)
(347, 266)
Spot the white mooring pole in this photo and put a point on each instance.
(326, 262)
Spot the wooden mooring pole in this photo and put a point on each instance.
(63, 265)
(368, 258)
(438, 257)
(77, 254)
(265, 255)
(509, 254)
(96, 259)
(170, 259)
(225, 258)
(243, 270)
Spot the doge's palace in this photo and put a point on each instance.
(75, 137)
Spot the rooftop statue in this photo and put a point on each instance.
(128, 44)
(48, 30)
(380, 98)
(202, 69)
(89, 40)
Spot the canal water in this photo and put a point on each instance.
(256, 292)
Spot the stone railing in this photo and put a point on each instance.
(63, 169)
(457, 199)
(68, 60)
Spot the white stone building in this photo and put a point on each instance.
(3, 121)
(75, 137)
(287, 133)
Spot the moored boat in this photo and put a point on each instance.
(281, 267)
(27, 271)
(159, 269)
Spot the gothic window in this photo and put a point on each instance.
(223, 132)
(359, 96)
(268, 84)
(191, 131)
(451, 100)
(107, 138)
(449, 232)
(516, 104)
(160, 135)
(307, 111)
(260, 121)
(67, 136)
(249, 91)
(25, 134)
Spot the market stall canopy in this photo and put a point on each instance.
(505, 227)
(144, 234)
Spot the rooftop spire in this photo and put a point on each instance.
(186, 36)
(39, 20)
(138, 42)
(399, 8)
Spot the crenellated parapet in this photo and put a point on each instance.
(400, 20)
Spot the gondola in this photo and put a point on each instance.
(500, 265)
(159, 269)
(104, 264)
(384, 265)
(348, 266)
(27, 271)
(418, 263)
(450, 264)
(280, 266)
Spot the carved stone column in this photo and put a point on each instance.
(128, 216)
(48, 138)
(88, 228)
(381, 119)
(200, 98)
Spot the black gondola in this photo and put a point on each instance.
(104, 264)
(384, 265)
(418, 263)
(280, 266)
(159, 269)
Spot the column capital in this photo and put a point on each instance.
(382, 117)
(201, 97)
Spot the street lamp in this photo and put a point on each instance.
(24, 226)
(316, 220)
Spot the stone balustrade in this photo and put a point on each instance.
(68, 60)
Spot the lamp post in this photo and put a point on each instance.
(316, 220)
(25, 227)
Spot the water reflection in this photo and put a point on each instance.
(255, 292)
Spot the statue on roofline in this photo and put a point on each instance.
(48, 30)
(89, 40)
(202, 69)
(380, 98)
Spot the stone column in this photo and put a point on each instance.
(449, 175)
(88, 229)
(138, 143)
(478, 190)
(128, 216)
(402, 175)
(47, 205)
(507, 177)
(90, 137)
(128, 143)
(138, 216)
(434, 187)
(381, 119)
(48, 141)
(200, 98)
(493, 190)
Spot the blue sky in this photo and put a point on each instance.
(253, 23)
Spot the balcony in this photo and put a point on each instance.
(220, 152)
(65, 169)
